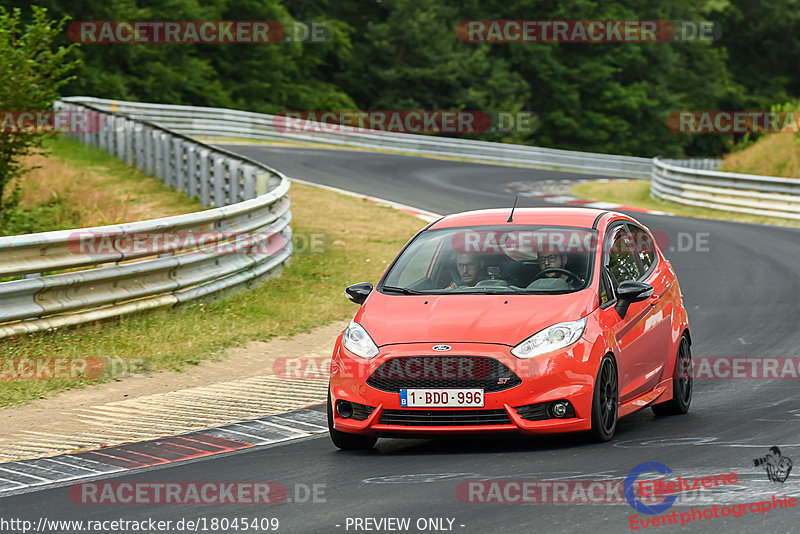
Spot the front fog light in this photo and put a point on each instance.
(559, 409)
(344, 409)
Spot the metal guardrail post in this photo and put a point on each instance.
(233, 181)
(175, 161)
(205, 177)
(158, 155)
(110, 135)
(149, 153)
(262, 184)
(119, 137)
(138, 148)
(130, 128)
(219, 182)
(101, 137)
(249, 177)
(191, 171)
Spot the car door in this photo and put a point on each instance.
(658, 323)
(638, 335)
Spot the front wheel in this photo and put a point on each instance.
(344, 440)
(682, 383)
(605, 401)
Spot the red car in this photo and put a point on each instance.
(534, 320)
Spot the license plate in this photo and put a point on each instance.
(441, 398)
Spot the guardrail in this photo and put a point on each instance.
(67, 280)
(225, 123)
(685, 182)
(692, 182)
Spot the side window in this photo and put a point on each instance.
(605, 292)
(644, 246)
(620, 263)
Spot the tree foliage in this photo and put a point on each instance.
(31, 72)
(405, 55)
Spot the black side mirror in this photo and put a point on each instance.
(629, 292)
(358, 293)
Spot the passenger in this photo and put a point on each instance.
(471, 269)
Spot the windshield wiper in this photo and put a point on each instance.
(488, 290)
(403, 290)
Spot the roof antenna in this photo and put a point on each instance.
(511, 216)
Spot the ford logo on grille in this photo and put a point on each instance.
(442, 348)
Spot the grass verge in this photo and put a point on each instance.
(636, 193)
(772, 155)
(364, 237)
(76, 186)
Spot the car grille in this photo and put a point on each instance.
(444, 417)
(404, 372)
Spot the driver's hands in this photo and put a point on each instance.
(452, 286)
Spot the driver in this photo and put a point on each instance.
(471, 268)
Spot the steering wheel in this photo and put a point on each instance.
(578, 280)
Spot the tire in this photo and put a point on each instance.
(605, 401)
(344, 440)
(682, 383)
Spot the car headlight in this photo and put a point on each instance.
(356, 340)
(551, 338)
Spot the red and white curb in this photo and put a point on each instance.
(559, 192)
(31, 475)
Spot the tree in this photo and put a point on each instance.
(407, 56)
(31, 72)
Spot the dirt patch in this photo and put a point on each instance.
(57, 415)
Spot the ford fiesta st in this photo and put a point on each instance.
(539, 321)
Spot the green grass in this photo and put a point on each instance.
(636, 193)
(770, 155)
(123, 179)
(77, 186)
(56, 213)
(363, 236)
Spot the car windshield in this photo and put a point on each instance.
(494, 259)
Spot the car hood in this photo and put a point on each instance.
(504, 319)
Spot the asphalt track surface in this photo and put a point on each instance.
(741, 290)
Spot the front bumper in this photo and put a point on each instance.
(565, 375)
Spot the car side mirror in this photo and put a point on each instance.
(358, 293)
(629, 292)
